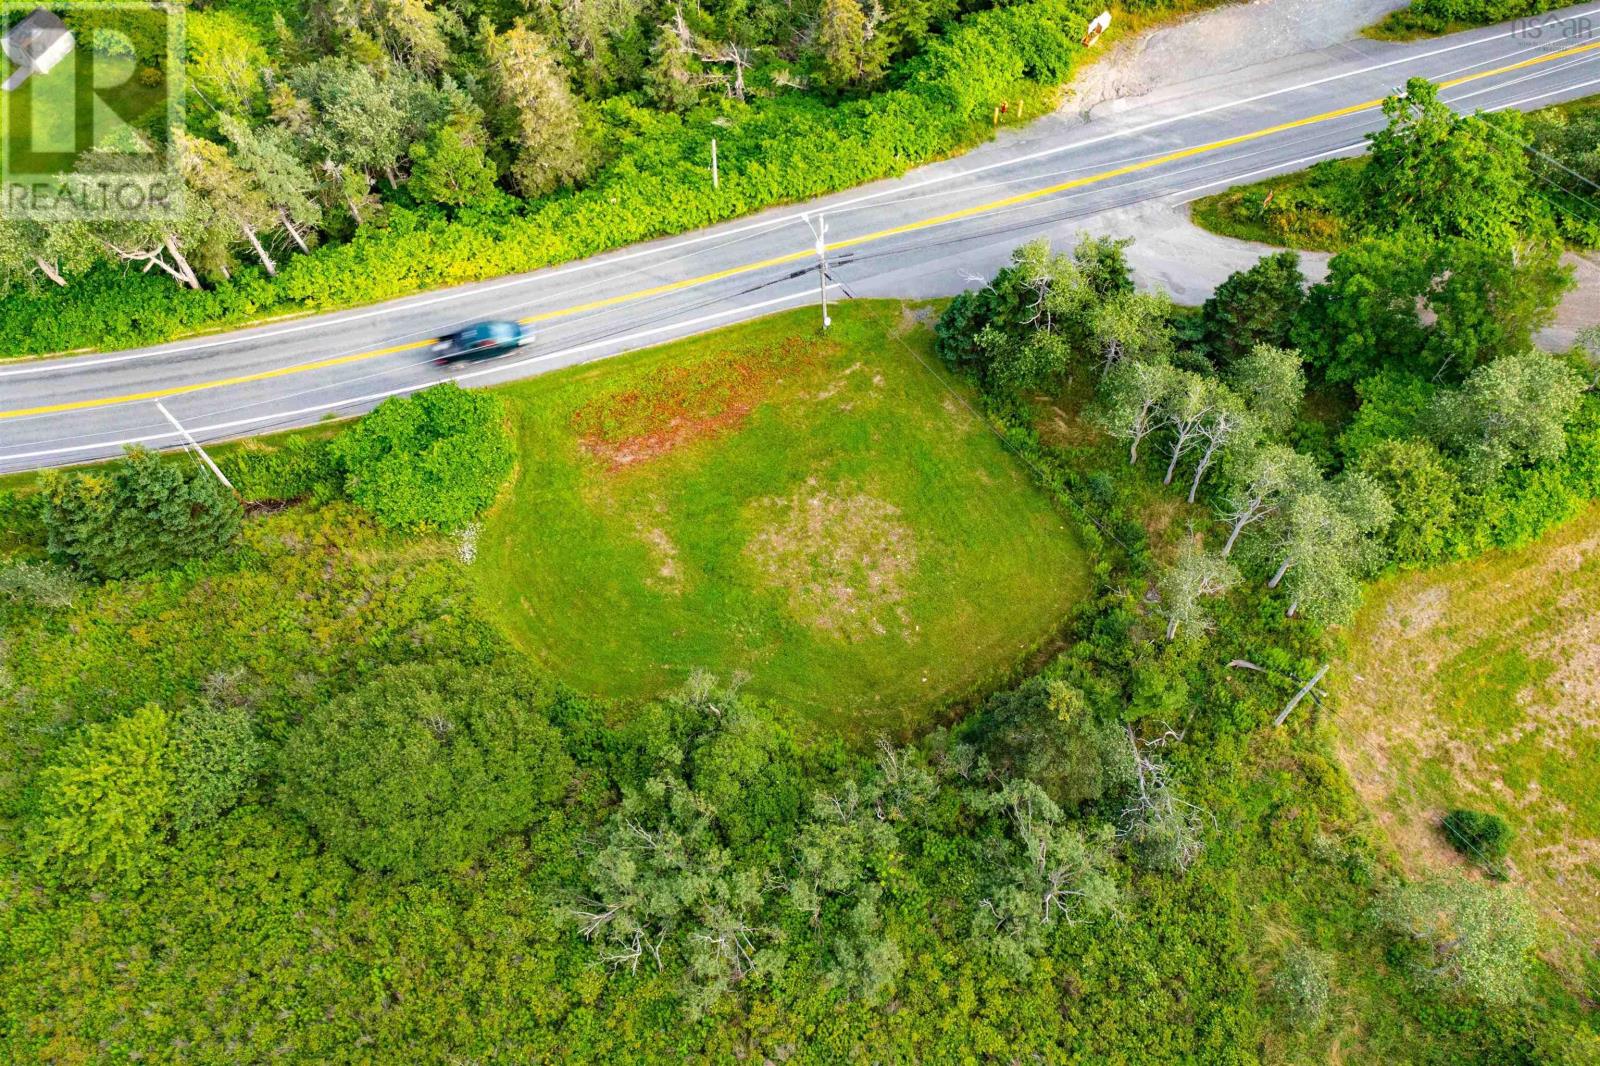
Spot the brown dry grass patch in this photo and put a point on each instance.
(673, 405)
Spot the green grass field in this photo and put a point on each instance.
(825, 516)
(1478, 685)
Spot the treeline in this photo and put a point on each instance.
(1458, 435)
(348, 153)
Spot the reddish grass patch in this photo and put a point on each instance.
(672, 405)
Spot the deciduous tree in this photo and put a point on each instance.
(1130, 402)
(1511, 411)
(1195, 576)
(1450, 175)
(1272, 383)
(1269, 474)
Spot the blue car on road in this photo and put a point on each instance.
(482, 341)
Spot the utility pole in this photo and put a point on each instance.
(190, 442)
(716, 181)
(821, 230)
(1298, 696)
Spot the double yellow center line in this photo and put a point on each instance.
(798, 256)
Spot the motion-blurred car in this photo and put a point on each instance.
(482, 341)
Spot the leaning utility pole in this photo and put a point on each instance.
(190, 442)
(1309, 688)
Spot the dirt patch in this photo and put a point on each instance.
(912, 318)
(841, 557)
(668, 573)
(671, 406)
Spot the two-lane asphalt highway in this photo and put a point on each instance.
(931, 231)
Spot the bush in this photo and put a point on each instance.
(421, 768)
(37, 584)
(1471, 938)
(1481, 837)
(22, 518)
(434, 460)
(1301, 983)
(102, 799)
(215, 754)
(299, 468)
(138, 515)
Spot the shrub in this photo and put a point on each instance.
(102, 799)
(215, 754)
(37, 584)
(434, 460)
(299, 468)
(22, 518)
(1482, 837)
(1301, 983)
(421, 768)
(1473, 938)
(138, 515)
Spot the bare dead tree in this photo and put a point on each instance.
(165, 255)
(1158, 818)
(728, 53)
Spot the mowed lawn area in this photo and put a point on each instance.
(822, 515)
(1478, 685)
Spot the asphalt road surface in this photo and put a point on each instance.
(935, 231)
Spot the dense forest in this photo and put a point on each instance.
(276, 787)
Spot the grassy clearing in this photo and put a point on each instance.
(1478, 685)
(823, 515)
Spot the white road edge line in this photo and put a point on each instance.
(611, 258)
(217, 427)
